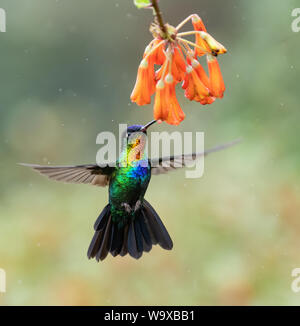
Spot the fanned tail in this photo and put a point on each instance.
(136, 237)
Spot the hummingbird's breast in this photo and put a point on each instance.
(127, 186)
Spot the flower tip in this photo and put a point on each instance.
(195, 63)
(144, 64)
(160, 84)
(189, 69)
(224, 50)
(195, 18)
(198, 23)
(221, 49)
(169, 79)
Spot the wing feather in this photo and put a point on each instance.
(165, 164)
(88, 174)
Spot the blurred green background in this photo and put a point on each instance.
(67, 68)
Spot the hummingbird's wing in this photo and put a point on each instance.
(165, 164)
(88, 173)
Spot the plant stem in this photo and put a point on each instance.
(192, 43)
(159, 17)
(154, 48)
(184, 22)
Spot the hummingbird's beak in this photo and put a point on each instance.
(144, 129)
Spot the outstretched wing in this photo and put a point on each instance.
(165, 164)
(88, 173)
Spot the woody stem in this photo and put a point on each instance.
(159, 17)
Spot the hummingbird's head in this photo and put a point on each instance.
(138, 128)
(136, 136)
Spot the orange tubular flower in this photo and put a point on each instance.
(178, 66)
(160, 106)
(217, 86)
(201, 73)
(166, 106)
(178, 60)
(158, 53)
(199, 26)
(214, 46)
(144, 85)
(194, 87)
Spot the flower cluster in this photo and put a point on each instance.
(178, 58)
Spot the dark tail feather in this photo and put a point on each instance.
(134, 248)
(124, 249)
(136, 237)
(102, 219)
(157, 227)
(101, 227)
(147, 242)
(117, 239)
(95, 244)
(104, 248)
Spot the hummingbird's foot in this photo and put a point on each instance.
(137, 205)
(127, 207)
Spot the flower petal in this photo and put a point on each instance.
(199, 26)
(194, 87)
(160, 108)
(214, 46)
(178, 65)
(217, 86)
(198, 23)
(166, 106)
(145, 84)
(201, 73)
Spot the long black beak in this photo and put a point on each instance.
(143, 129)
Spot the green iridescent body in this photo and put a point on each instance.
(127, 187)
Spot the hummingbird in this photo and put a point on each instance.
(128, 224)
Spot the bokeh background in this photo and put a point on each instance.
(67, 68)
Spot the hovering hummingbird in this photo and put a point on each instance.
(128, 223)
